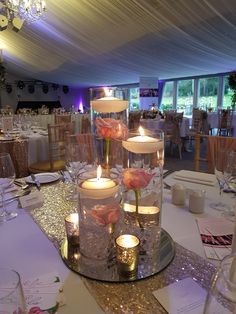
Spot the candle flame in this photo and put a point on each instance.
(141, 131)
(99, 172)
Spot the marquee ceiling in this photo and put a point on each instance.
(110, 42)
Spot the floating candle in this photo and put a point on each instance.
(109, 104)
(143, 144)
(98, 187)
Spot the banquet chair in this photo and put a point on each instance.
(18, 150)
(62, 118)
(84, 140)
(171, 128)
(213, 143)
(134, 120)
(85, 125)
(225, 119)
(56, 142)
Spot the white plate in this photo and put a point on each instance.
(46, 177)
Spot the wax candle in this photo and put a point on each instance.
(143, 144)
(109, 104)
(98, 187)
(127, 252)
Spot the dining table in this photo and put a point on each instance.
(31, 243)
(152, 124)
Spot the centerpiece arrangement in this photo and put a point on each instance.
(120, 205)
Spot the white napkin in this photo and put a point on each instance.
(196, 177)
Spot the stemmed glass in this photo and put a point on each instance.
(11, 293)
(221, 297)
(7, 176)
(76, 160)
(220, 173)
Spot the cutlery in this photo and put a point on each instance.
(23, 185)
(168, 172)
(35, 181)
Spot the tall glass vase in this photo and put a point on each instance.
(142, 189)
(100, 215)
(109, 117)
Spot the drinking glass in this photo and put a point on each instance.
(77, 158)
(220, 173)
(221, 298)
(11, 294)
(230, 176)
(7, 176)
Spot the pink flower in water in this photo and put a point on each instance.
(37, 310)
(106, 214)
(111, 129)
(135, 179)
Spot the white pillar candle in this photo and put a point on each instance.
(98, 187)
(143, 144)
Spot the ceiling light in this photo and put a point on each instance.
(15, 12)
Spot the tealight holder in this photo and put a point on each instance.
(142, 188)
(127, 253)
(72, 229)
(100, 214)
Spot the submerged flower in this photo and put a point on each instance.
(111, 129)
(136, 179)
(37, 310)
(106, 214)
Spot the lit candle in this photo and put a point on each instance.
(143, 144)
(127, 252)
(72, 228)
(98, 187)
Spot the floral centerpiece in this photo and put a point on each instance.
(136, 179)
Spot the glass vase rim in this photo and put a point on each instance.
(17, 284)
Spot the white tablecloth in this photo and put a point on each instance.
(152, 124)
(37, 148)
(25, 248)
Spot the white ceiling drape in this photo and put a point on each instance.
(110, 42)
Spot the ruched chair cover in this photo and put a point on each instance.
(56, 142)
(18, 149)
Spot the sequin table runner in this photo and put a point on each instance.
(134, 297)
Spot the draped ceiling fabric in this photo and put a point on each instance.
(88, 43)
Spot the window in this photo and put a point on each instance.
(208, 90)
(227, 94)
(167, 98)
(185, 96)
(134, 99)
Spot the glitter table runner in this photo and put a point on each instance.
(133, 297)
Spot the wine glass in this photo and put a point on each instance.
(7, 176)
(230, 175)
(221, 297)
(11, 293)
(76, 160)
(220, 160)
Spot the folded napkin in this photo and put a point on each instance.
(196, 177)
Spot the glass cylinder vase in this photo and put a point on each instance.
(142, 188)
(109, 117)
(100, 215)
